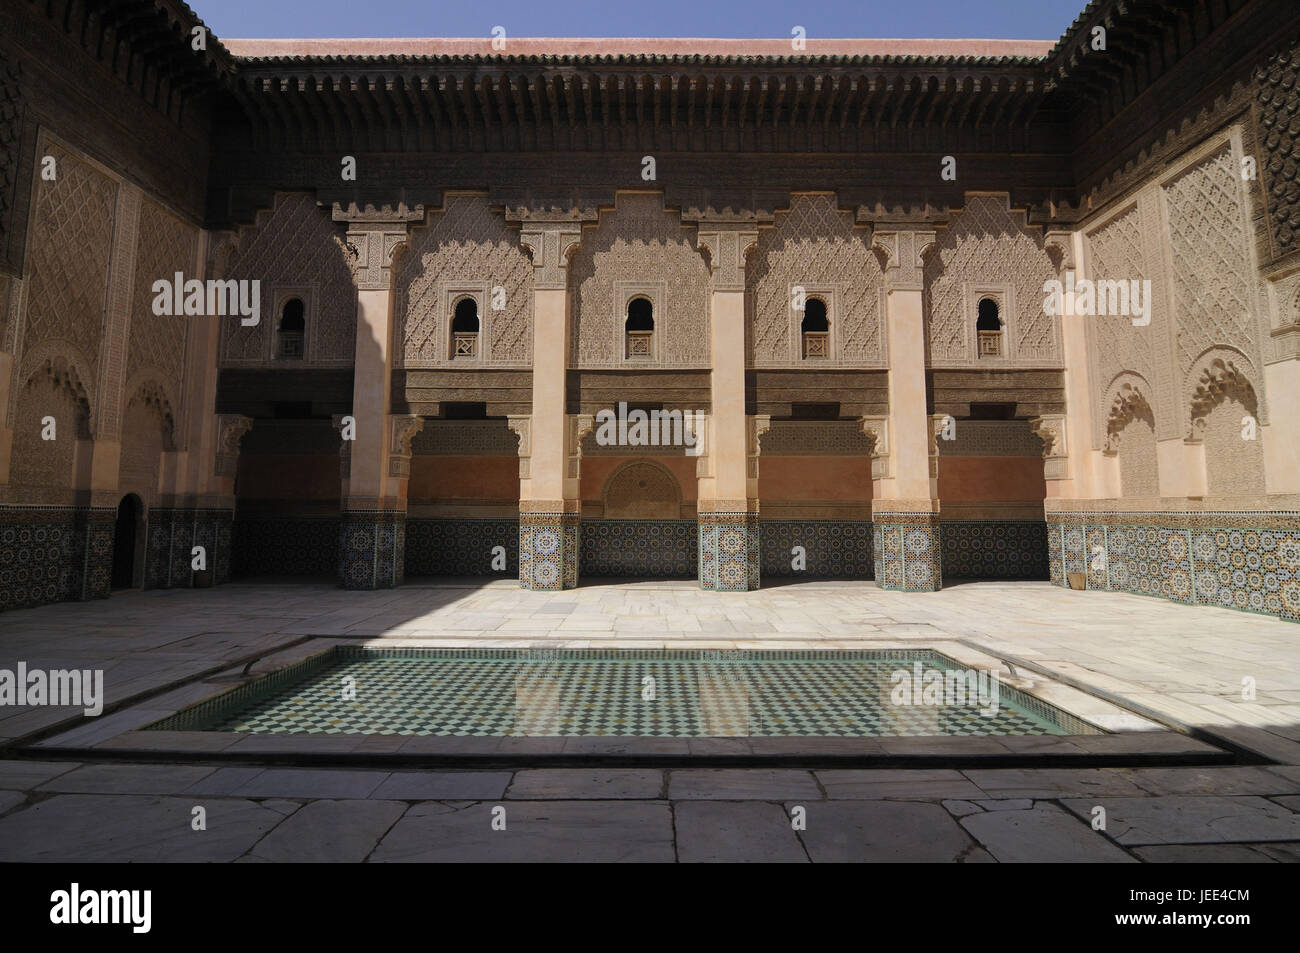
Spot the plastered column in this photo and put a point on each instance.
(549, 503)
(905, 505)
(372, 540)
(727, 509)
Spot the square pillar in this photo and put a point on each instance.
(372, 530)
(550, 508)
(727, 507)
(905, 505)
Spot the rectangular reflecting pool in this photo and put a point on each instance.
(651, 693)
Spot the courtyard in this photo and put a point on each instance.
(1216, 778)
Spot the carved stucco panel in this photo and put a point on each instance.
(638, 241)
(466, 244)
(816, 246)
(294, 243)
(1216, 300)
(158, 342)
(68, 262)
(987, 242)
(1117, 251)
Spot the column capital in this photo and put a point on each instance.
(230, 433)
(523, 426)
(755, 426)
(876, 429)
(551, 244)
(1060, 248)
(345, 450)
(904, 256)
(727, 248)
(373, 247)
(939, 423)
(1050, 428)
(576, 427)
(402, 429)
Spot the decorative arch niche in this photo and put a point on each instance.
(642, 490)
(1224, 416)
(1131, 435)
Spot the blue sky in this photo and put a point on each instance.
(1010, 19)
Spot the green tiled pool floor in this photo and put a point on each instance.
(603, 693)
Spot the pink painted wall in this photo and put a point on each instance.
(991, 479)
(846, 479)
(464, 478)
(288, 477)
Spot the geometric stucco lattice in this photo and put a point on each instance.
(985, 243)
(68, 259)
(295, 244)
(639, 242)
(814, 243)
(1216, 300)
(1115, 344)
(158, 342)
(466, 243)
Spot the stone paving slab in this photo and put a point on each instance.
(897, 783)
(581, 784)
(309, 783)
(443, 785)
(128, 779)
(1203, 854)
(24, 775)
(329, 832)
(1041, 834)
(884, 832)
(131, 828)
(745, 832)
(1226, 780)
(1192, 820)
(742, 784)
(1052, 782)
(536, 831)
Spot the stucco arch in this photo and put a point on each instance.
(642, 489)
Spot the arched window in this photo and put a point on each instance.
(988, 327)
(464, 329)
(293, 326)
(640, 329)
(816, 329)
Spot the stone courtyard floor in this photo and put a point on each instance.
(1178, 665)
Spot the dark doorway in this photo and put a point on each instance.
(125, 535)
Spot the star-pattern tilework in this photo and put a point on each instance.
(602, 693)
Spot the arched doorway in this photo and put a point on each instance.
(128, 538)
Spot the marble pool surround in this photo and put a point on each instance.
(1134, 740)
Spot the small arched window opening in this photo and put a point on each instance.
(988, 327)
(464, 329)
(293, 327)
(816, 329)
(640, 329)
